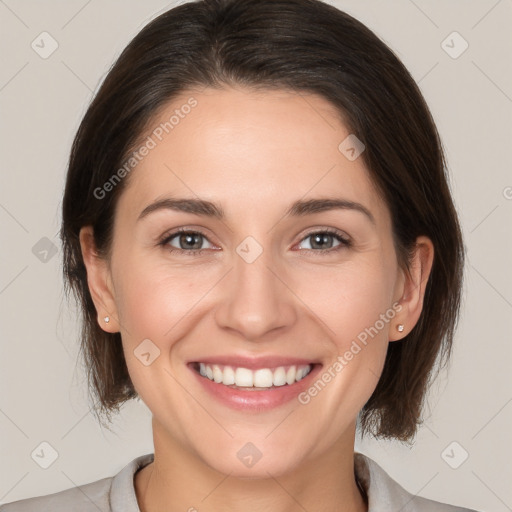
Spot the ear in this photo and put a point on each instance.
(99, 281)
(413, 288)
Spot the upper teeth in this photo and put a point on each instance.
(261, 378)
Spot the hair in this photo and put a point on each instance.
(300, 46)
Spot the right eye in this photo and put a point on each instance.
(184, 241)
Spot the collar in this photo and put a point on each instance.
(384, 494)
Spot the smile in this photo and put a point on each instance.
(245, 378)
(254, 384)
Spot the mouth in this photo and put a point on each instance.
(260, 379)
(254, 385)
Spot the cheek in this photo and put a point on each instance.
(349, 299)
(154, 304)
(163, 303)
(357, 316)
(354, 304)
(154, 300)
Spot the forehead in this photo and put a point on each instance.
(246, 149)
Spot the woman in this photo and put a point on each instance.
(258, 225)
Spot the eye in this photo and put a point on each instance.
(191, 242)
(184, 240)
(323, 241)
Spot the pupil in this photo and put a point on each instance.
(323, 240)
(191, 239)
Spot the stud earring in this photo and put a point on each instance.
(107, 319)
(400, 327)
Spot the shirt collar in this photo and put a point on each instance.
(384, 494)
(122, 491)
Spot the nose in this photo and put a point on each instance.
(255, 299)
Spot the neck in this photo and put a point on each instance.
(178, 480)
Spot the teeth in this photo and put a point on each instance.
(228, 376)
(279, 377)
(243, 377)
(217, 374)
(290, 375)
(261, 378)
(301, 373)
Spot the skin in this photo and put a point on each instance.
(253, 152)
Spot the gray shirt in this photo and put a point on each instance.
(117, 493)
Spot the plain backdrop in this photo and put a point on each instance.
(43, 398)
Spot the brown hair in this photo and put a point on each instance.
(298, 45)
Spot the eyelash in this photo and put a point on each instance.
(344, 242)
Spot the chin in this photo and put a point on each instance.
(248, 460)
(263, 468)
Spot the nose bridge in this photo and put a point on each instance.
(256, 300)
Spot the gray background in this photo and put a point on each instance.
(42, 100)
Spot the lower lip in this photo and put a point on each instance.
(256, 400)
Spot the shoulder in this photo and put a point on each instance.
(112, 494)
(90, 497)
(386, 494)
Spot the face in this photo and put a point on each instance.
(289, 309)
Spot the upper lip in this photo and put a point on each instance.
(254, 363)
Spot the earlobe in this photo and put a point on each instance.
(99, 282)
(414, 286)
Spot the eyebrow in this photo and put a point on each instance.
(299, 208)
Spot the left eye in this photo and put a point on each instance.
(323, 240)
